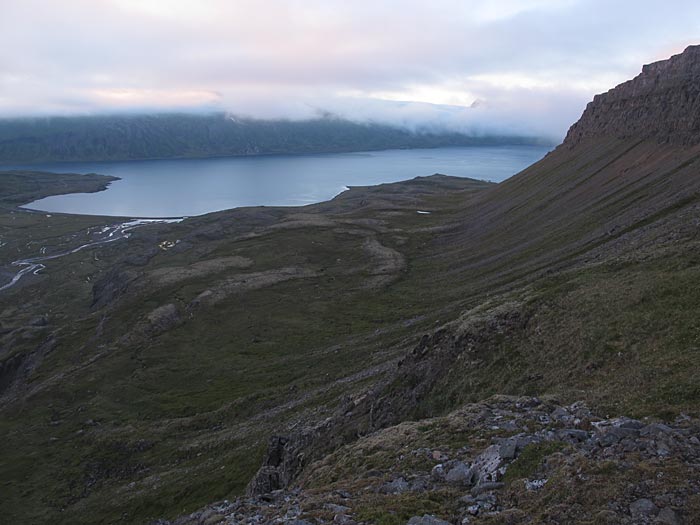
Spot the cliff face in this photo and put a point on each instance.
(661, 103)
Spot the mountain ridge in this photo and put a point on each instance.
(662, 102)
(524, 353)
(182, 135)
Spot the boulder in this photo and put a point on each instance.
(632, 423)
(460, 473)
(560, 414)
(668, 517)
(643, 509)
(486, 465)
(572, 435)
(656, 429)
(508, 449)
(396, 486)
(535, 484)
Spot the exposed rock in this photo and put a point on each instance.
(343, 519)
(655, 429)
(560, 414)
(163, 318)
(438, 472)
(337, 508)
(643, 508)
(419, 484)
(663, 103)
(615, 435)
(460, 473)
(632, 424)
(427, 519)
(488, 498)
(668, 517)
(486, 465)
(572, 434)
(283, 461)
(508, 449)
(535, 484)
(397, 486)
(388, 263)
(214, 519)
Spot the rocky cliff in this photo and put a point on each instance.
(661, 103)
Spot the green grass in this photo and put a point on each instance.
(398, 509)
(530, 460)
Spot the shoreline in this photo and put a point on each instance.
(223, 184)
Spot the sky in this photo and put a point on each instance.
(477, 66)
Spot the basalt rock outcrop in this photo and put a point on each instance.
(662, 103)
(499, 461)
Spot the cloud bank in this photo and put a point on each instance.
(520, 66)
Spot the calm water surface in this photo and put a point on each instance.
(176, 188)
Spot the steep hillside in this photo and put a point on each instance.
(128, 137)
(579, 273)
(523, 353)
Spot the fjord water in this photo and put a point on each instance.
(187, 187)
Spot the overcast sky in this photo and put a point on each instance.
(526, 66)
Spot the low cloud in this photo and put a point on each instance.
(478, 66)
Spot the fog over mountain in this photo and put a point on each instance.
(512, 67)
(186, 135)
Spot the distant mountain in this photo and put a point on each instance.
(128, 137)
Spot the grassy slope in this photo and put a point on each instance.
(170, 411)
(595, 254)
(590, 254)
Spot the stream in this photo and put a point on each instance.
(34, 265)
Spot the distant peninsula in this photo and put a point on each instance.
(183, 135)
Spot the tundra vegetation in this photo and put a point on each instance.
(526, 352)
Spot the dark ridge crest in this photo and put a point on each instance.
(661, 103)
